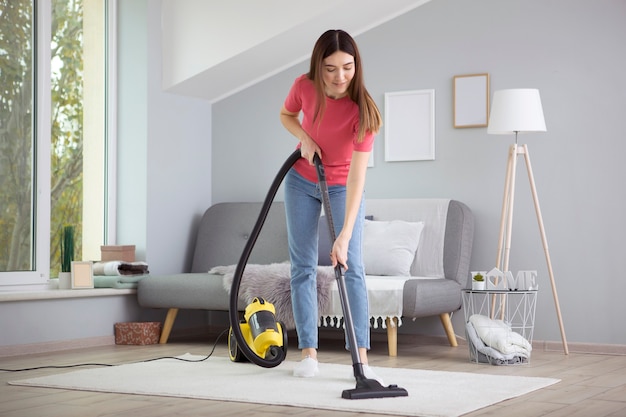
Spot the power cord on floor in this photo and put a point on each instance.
(106, 364)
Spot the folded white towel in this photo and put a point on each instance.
(498, 335)
(115, 268)
(109, 268)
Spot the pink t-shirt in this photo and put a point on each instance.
(336, 135)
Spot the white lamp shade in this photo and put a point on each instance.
(516, 110)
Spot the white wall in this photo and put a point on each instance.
(164, 148)
(179, 167)
(47, 321)
(573, 53)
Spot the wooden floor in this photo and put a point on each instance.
(592, 385)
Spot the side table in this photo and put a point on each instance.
(515, 308)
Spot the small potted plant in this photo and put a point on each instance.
(67, 256)
(478, 282)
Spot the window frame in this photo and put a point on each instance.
(41, 176)
(110, 151)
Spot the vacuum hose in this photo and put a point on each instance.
(278, 355)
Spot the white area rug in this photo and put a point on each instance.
(431, 393)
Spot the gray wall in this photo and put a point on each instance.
(573, 52)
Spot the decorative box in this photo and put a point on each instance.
(124, 253)
(146, 333)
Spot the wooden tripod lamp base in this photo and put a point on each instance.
(514, 111)
(506, 224)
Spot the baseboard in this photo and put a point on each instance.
(595, 348)
(214, 331)
(576, 347)
(332, 333)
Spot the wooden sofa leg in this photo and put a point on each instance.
(392, 335)
(447, 326)
(167, 326)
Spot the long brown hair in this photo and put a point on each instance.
(330, 42)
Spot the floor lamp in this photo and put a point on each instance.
(514, 111)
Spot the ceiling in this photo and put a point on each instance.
(212, 50)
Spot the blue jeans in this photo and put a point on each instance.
(303, 202)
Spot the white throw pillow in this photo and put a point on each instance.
(389, 247)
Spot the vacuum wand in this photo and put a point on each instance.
(365, 388)
(345, 303)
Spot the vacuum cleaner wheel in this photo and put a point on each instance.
(236, 355)
(285, 339)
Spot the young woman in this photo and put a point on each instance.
(339, 121)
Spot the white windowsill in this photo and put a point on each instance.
(48, 292)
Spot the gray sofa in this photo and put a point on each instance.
(225, 228)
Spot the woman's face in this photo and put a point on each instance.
(337, 73)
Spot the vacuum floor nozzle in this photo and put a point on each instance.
(370, 388)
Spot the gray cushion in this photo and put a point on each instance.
(192, 290)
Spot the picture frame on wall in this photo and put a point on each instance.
(410, 125)
(471, 100)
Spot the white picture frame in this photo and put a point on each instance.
(471, 100)
(82, 275)
(410, 125)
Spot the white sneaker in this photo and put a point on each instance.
(370, 374)
(306, 368)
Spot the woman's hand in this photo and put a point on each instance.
(308, 149)
(339, 252)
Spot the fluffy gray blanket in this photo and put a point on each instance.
(272, 283)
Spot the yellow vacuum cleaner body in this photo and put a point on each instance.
(263, 334)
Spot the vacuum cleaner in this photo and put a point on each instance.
(258, 337)
(265, 340)
(266, 337)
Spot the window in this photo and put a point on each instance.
(53, 107)
(17, 132)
